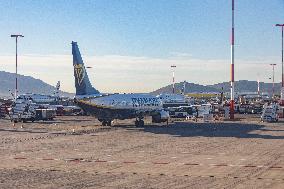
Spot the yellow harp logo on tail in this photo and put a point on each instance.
(79, 72)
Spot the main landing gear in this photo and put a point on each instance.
(106, 122)
(139, 122)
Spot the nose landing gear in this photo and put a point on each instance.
(106, 122)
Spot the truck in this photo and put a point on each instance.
(45, 114)
(22, 111)
(269, 113)
(182, 112)
(26, 110)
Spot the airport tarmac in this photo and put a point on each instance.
(239, 154)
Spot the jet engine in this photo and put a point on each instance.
(159, 117)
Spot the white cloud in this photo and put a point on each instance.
(115, 73)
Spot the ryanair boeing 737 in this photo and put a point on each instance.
(107, 107)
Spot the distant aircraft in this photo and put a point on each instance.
(165, 97)
(174, 100)
(37, 98)
(107, 107)
(41, 98)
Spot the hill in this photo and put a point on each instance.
(27, 84)
(240, 86)
(189, 88)
(248, 86)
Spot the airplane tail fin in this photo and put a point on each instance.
(82, 82)
(56, 91)
(58, 85)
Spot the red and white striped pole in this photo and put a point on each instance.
(232, 64)
(173, 67)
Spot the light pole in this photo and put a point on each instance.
(272, 79)
(258, 88)
(282, 89)
(232, 63)
(16, 36)
(173, 67)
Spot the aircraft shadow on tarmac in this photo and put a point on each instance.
(237, 130)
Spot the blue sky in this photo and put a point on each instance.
(194, 34)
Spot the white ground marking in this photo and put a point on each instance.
(112, 161)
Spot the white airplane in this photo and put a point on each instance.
(37, 98)
(107, 107)
(167, 98)
(41, 98)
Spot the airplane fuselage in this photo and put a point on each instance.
(120, 106)
(38, 98)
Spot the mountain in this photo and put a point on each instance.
(248, 86)
(26, 84)
(29, 84)
(189, 88)
(240, 86)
